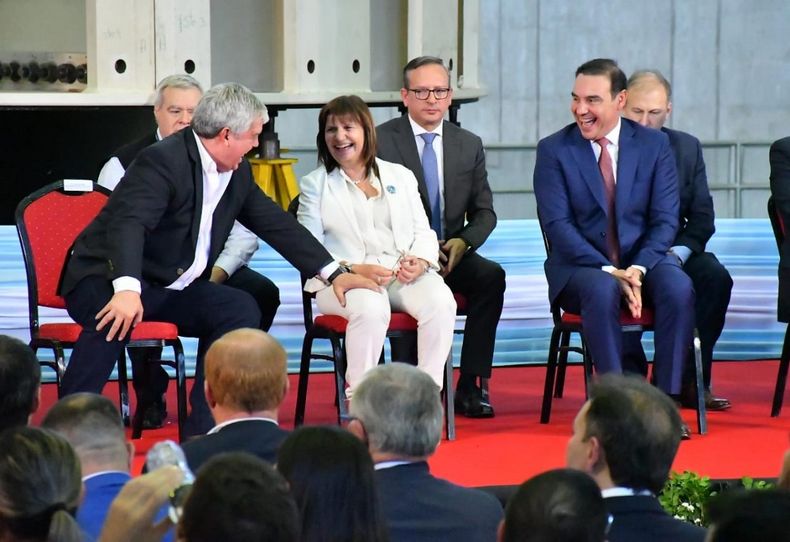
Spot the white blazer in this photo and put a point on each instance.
(325, 208)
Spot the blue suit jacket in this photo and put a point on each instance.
(100, 491)
(572, 204)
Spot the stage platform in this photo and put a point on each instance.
(745, 246)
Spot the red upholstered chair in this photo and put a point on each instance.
(48, 221)
(778, 225)
(333, 329)
(566, 323)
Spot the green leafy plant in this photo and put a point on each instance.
(751, 483)
(685, 495)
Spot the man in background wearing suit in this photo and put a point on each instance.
(175, 102)
(607, 195)
(93, 426)
(150, 251)
(397, 411)
(626, 437)
(454, 189)
(246, 380)
(780, 190)
(648, 103)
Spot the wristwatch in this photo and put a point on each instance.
(341, 268)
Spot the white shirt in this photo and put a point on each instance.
(438, 148)
(112, 172)
(218, 427)
(214, 186)
(625, 492)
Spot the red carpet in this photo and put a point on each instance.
(744, 441)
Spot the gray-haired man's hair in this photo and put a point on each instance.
(181, 81)
(400, 409)
(641, 76)
(228, 105)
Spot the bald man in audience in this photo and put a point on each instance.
(20, 378)
(94, 428)
(649, 102)
(246, 380)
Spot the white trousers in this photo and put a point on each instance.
(428, 300)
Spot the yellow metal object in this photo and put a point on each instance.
(276, 178)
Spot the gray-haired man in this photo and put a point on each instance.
(397, 411)
(150, 251)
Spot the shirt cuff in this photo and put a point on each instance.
(608, 268)
(642, 268)
(328, 269)
(229, 264)
(682, 252)
(126, 283)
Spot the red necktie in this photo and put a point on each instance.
(607, 173)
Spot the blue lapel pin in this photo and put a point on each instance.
(390, 189)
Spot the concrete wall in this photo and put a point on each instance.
(728, 60)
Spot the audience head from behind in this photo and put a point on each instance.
(396, 409)
(176, 98)
(20, 382)
(330, 473)
(761, 515)
(561, 505)
(246, 375)
(40, 487)
(237, 496)
(625, 435)
(93, 426)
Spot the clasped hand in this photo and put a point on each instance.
(450, 253)
(630, 281)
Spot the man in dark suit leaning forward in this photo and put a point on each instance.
(454, 189)
(150, 251)
(648, 103)
(607, 197)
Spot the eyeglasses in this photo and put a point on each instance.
(423, 93)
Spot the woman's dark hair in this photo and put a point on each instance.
(40, 486)
(353, 107)
(331, 476)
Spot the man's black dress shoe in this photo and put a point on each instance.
(155, 415)
(472, 404)
(688, 399)
(685, 432)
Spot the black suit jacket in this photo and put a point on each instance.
(780, 190)
(149, 228)
(468, 203)
(419, 507)
(642, 518)
(257, 437)
(696, 203)
(129, 152)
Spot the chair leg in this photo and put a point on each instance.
(781, 376)
(449, 397)
(60, 366)
(551, 372)
(562, 365)
(702, 420)
(123, 390)
(339, 355)
(181, 387)
(304, 374)
(588, 364)
(142, 406)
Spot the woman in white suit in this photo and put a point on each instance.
(368, 215)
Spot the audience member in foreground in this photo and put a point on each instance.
(246, 380)
(750, 516)
(330, 474)
(94, 428)
(396, 409)
(367, 213)
(20, 378)
(561, 505)
(649, 104)
(626, 437)
(40, 485)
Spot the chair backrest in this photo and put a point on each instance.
(48, 221)
(777, 224)
(307, 297)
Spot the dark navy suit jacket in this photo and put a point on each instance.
(420, 507)
(642, 518)
(258, 437)
(572, 204)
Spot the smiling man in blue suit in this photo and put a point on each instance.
(607, 197)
